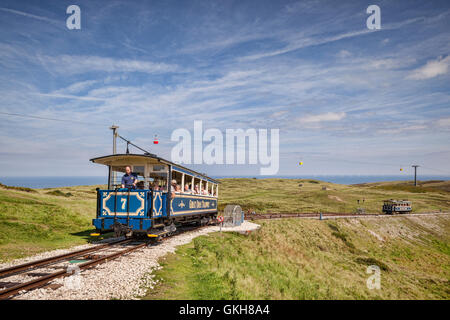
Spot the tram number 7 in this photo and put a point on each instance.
(124, 202)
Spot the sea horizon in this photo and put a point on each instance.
(40, 182)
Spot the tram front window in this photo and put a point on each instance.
(116, 177)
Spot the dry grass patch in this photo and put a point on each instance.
(312, 259)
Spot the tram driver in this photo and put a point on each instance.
(129, 179)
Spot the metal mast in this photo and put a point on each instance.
(415, 166)
(115, 134)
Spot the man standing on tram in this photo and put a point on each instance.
(129, 179)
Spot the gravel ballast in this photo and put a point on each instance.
(127, 277)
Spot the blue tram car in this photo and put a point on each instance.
(159, 203)
(392, 206)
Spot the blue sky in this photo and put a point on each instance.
(347, 100)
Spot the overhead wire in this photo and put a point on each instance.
(46, 118)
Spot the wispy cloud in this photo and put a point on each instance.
(71, 64)
(236, 65)
(305, 42)
(444, 122)
(431, 69)
(324, 117)
(67, 96)
(32, 16)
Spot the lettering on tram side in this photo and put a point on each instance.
(197, 204)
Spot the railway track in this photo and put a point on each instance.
(266, 216)
(302, 215)
(87, 258)
(90, 258)
(22, 268)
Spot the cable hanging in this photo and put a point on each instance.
(130, 143)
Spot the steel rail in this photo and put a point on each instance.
(39, 282)
(266, 216)
(51, 260)
(303, 215)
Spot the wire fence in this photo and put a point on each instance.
(233, 216)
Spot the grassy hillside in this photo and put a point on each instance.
(441, 186)
(313, 259)
(305, 195)
(33, 221)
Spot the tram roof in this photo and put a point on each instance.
(107, 160)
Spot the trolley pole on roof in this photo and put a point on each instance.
(115, 134)
(415, 166)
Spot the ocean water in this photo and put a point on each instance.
(56, 182)
(353, 179)
(52, 182)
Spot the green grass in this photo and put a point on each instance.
(312, 259)
(59, 193)
(36, 220)
(286, 196)
(17, 188)
(41, 220)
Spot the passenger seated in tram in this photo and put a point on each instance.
(155, 186)
(129, 179)
(140, 185)
(173, 187)
(196, 190)
(187, 189)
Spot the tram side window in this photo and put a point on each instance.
(188, 188)
(139, 171)
(159, 181)
(158, 176)
(195, 186)
(204, 190)
(177, 176)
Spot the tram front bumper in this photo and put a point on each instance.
(135, 224)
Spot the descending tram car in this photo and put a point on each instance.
(152, 209)
(392, 206)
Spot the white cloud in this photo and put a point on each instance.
(69, 96)
(278, 114)
(387, 63)
(319, 39)
(444, 122)
(29, 15)
(329, 116)
(76, 87)
(404, 129)
(344, 54)
(69, 64)
(431, 69)
(304, 43)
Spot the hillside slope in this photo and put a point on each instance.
(36, 220)
(306, 195)
(313, 259)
